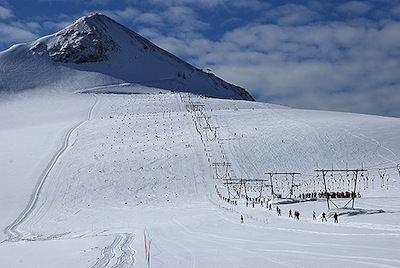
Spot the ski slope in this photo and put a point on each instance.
(86, 175)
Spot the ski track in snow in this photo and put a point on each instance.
(12, 230)
(373, 141)
(118, 252)
(127, 258)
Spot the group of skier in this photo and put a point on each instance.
(335, 217)
(296, 215)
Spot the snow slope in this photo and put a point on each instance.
(97, 51)
(86, 176)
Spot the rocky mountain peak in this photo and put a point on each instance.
(86, 40)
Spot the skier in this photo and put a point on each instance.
(297, 215)
(241, 219)
(314, 217)
(290, 214)
(324, 216)
(279, 211)
(270, 204)
(335, 217)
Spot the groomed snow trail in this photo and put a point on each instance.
(12, 230)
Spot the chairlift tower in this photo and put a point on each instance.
(225, 166)
(332, 171)
(195, 107)
(271, 175)
(235, 186)
(213, 130)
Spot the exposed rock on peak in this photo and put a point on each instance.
(87, 40)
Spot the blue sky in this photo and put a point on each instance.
(331, 55)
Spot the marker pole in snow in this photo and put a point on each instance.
(147, 247)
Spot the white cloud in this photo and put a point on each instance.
(175, 21)
(6, 13)
(238, 4)
(395, 11)
(56, 26)
(249, 4)
(98, 2)
(292, 14)
(127, 14)
(15, 34)
(88, 2)
(149, 18)
(184, 21)
(333, 66)
(169, 3)
(355, 7)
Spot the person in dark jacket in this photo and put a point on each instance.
(335, 217)
(324, 216)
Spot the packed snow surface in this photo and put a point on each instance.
(89, 178)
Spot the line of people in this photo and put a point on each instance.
(296, 215)
(228, 200)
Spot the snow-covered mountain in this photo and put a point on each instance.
(112, 54)
(132, 175)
